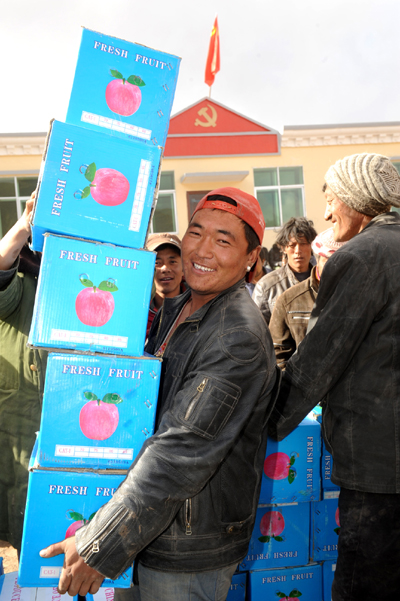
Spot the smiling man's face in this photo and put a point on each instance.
(346, 221)
(214, 252)
(168, 273)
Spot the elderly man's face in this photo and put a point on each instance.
(346, 221)
(214, 252)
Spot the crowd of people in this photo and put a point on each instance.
(224, 312)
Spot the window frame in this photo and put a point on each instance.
(280, 187)
(173, 193)
(17, 196)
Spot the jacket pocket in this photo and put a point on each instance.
(209, 405)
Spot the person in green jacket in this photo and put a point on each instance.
(22, 372)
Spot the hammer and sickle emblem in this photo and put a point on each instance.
(210, 120)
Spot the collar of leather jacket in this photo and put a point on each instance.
(172, 307)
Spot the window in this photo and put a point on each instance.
(14, 192)
(397, 165)
(280, 192)
(193, 199)
(164, 218)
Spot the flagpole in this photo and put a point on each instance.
(209, 93)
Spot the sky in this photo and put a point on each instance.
(283, 62)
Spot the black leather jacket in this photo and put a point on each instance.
(190, 497)
(351, 359)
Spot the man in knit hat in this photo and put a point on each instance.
(350, 362)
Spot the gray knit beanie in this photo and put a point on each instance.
(368, 183)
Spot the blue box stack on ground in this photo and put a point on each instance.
(98, 184)
(294, 543)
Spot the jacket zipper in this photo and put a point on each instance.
(194, 401)
(188, 507)
(120, 514)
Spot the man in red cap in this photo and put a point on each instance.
(186, 509)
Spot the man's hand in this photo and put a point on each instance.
(76, 576)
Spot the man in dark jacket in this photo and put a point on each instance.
(187, 507)
(292, 311)
(350, 360)
(295, 238)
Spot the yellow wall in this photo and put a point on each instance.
(315, 161)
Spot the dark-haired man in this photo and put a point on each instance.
(295, 238)
(187, 507)
(168, 272)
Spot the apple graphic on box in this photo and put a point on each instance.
(279, 466)
(98, 419)
(337, 530)
(123, 96)
(78, 522)
(94, 306)
(272, 525)
(293, 595)
(107, 186)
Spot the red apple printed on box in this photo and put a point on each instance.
(337, 530)
(108, 187)
(293, 595)
(94, 306)
(98, 419)
(279, 466)
(272, 525)
(78, 522)
(123, 96)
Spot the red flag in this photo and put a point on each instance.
(212, 64)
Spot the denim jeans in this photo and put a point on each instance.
(179, 586)
(368, 566)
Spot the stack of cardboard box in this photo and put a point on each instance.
(293, 548)
(96, 195)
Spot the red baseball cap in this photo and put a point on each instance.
(247, 207)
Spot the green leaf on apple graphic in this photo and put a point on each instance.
(85, 282)
(116, 74)
(90, 396)
(264, 539)
(112, 398)
(295, 593)
(279, 538)
(75, 516)
(292, 460)
(107, 286)
(85, 193)
(92, 516)
(90, 172)
(291, 476)
(135, 80)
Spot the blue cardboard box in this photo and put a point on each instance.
(124, 89)
(237, 590)
(97, 410)
(95, 187)
(325, 528)
(328, 573)
(303, 583)
(281, 537)
(58, 503)
(1, 568)
(92, 297)
(11, 591)
(291, 471)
